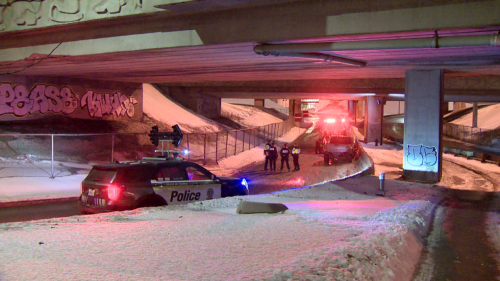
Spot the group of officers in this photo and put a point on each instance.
(271, 153)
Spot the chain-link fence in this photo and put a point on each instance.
(57, 155)
(471, 134)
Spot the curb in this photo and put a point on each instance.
(37, 202)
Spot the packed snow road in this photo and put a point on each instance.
(460, 245)
(313, 169)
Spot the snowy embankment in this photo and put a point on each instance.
(335, 231)
(330, 232)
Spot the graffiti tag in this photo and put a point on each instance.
(18, 101)
(49, 99)
(421, 155)
(99, 105)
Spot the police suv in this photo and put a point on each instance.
(152, 182)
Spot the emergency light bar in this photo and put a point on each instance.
(332, 120)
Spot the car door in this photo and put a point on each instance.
(205, 182)
(173, 183)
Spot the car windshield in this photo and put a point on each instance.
(101, 175)
(340, 140)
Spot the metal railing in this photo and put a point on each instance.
(56, 155)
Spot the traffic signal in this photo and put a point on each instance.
(176, 135)
(154, 136)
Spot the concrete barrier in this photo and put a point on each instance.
(246, 207)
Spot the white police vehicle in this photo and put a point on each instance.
(154, 181)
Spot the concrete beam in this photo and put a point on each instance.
(295, 20)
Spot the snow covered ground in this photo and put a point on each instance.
(487, 118)
(334, 231)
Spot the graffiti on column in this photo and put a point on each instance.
(99, 105)
(421, 155)
(43, 99)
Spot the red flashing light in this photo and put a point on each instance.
(113, 192)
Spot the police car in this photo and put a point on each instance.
(152, 182)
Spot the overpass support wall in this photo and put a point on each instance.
(195, 100)
(373, 119)
(36, 97)
(422, 158)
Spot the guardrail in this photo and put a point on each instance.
(471, 134)
(56, 155)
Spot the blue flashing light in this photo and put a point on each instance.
(244, 182)
(185, 151)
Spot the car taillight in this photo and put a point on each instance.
(113, 192)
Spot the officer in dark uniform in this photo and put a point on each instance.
(266, 153)
(318, 146)
(284, 152)
(273, 155)
(295, 155)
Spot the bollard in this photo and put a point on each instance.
(381, 178)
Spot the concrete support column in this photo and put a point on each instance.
(422, 155)
(457, 106)
(474, 115)
(195, 100)
(259, 102)
(360, 109)
(352, 104)
(373, 119)
(291, 111)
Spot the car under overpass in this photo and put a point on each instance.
(262, 49)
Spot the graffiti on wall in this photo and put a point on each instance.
(99, 105)
(421, 155)
(24, 14)
(43, 99)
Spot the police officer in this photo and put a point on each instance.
(284, 152)
(295, 155)
(266, 153)
(318, 146)
(273, 155)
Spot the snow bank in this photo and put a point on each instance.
(248, 116)
(160, 107)
(488, 118)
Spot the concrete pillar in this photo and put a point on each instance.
(195, 100)
(352, 104)
(422, 155)
(291, 111)
(373, 119)
(259, 102)
(457, 106)
(360, 109)
(474, 115)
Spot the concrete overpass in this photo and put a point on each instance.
(432, 51)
